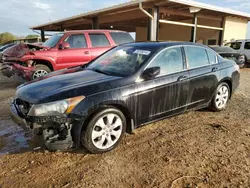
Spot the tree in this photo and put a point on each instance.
(6, 37)
(31, 36)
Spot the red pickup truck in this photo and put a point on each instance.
(65, 50)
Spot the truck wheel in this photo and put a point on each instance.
(40, 70)
(104, 131)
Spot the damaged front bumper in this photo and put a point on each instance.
(10, 69)
(57, 131)
(16, 117)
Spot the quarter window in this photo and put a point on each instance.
(169, 60)
(121, 38)
(99, 40)
(196, 56)
(211, 56)
(77, 41)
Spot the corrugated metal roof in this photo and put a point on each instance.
(91, 13)
(211, 7)
(134, 2)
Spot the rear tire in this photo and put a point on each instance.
(40, 70)
(221, 97)
(104, 131)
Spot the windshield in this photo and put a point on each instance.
(52, 41)
(223, 49)
(121, 61)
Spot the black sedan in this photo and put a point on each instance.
(230, 53)
(129, 86)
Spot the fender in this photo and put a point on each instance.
(51, 60)
(86, 116)
(228, 80)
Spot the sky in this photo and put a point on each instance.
(16, 16)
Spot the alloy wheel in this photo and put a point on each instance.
(107, 131)
(222, 97)
(39, 73)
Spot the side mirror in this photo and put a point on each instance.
(151, 73)
(64, 45)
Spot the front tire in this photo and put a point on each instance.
(221, 97)
(40, 71)
(104, 131)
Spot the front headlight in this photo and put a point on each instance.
(56, 108)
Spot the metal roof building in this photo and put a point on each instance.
(178, 20)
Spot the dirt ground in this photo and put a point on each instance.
(196, 149)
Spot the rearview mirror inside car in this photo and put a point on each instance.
(64, 45)
(151, 73)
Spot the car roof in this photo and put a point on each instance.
(93, 30)
(163, 44)
(239, 40)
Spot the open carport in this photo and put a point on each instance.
(174, 20)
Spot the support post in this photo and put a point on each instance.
(95, 23)
(149, 26)
(42, 36)
(156, 22)
(194, 29)
(221, 34)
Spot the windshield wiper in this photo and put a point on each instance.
(99, 71)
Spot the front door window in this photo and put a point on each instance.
(169, 60)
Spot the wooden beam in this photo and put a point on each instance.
(176, 23)
(76, 23)
(189, 25)
(116, 27)
(121, 17)
(209, 27)
(187, 14)
(123, 11)
(79, 27)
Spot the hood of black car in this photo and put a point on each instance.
(64, 85)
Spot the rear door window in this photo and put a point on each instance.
(247, 46)
(99, 40)
(77, 41)
(169, 60)
(196, 56)
(121, 38)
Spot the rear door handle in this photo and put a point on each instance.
(181, 78)
(214, 69)
(86, 52)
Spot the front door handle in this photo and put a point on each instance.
(86, 52)
(214, 69)
(181, 78)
